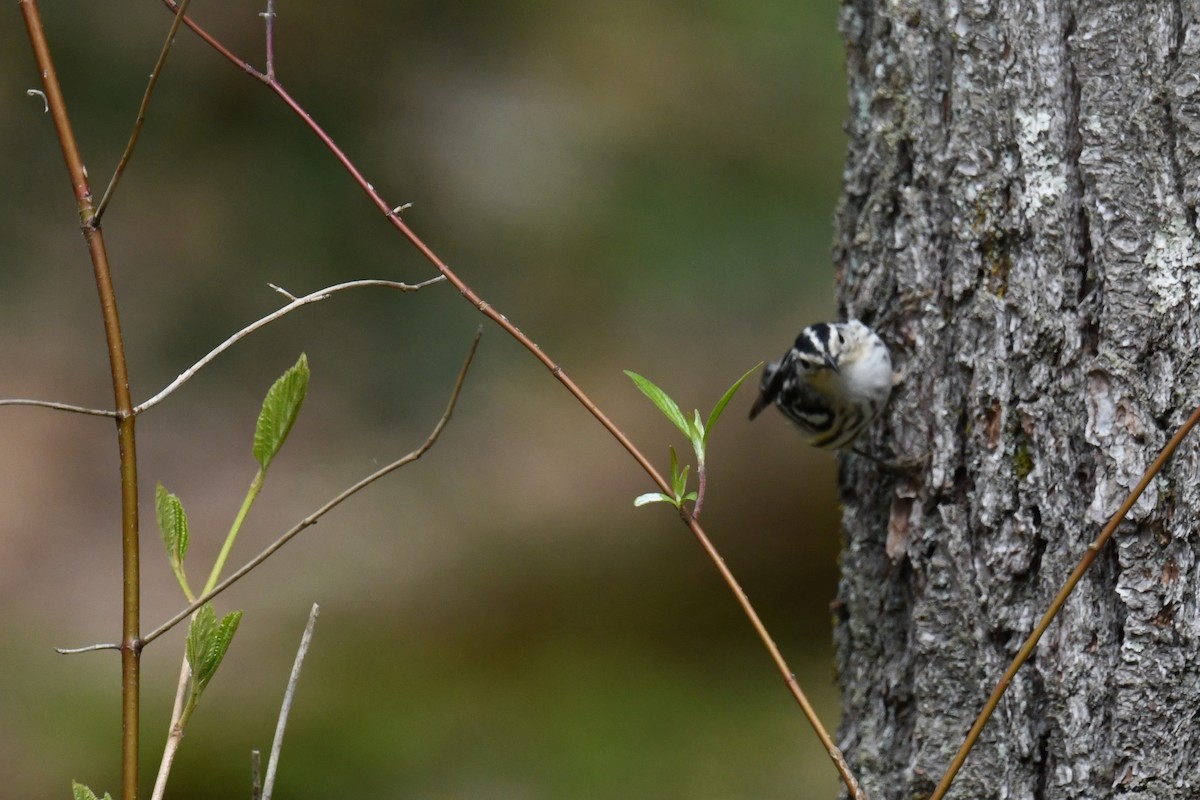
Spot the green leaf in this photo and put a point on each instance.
(680, 481)
(173, 525)
(82, 792)
(200, 634)
(207, 644)
(652, 497)
(279, 411)
(724, 401)
(698, 438)
(664, 402)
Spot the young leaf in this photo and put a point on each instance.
(724, 401)
(221, 641)
(699, 435)
(207, 644)
(200, 634)
(652, 497)
(279, 411)
(664, 402)
(173, 525)
(680, 483)
(82, 792)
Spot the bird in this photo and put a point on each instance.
(832, 383)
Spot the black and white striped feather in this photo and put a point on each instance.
(832, 383)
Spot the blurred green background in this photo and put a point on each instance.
(643, 186)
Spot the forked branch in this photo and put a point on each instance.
(293, 304)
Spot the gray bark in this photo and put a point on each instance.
(1019, 222)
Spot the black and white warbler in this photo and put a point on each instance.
(832, 383)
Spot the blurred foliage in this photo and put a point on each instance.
(498, 621)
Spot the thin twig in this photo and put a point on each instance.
(96, 412)
(312, 518)
(122, 402)
(212, 42)
(789, 677)
(512, 330)
(1060, 599)
(286, 708)
(70, 651)
(142, 109)
(270, 15)
(174, 732)
(255, 775)
(295, 303)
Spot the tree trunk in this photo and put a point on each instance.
(1019, 223)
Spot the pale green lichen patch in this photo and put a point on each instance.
(1169, 261)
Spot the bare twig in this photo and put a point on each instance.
(270, 17)
(174, 733)
(702, 480)
(97, 412)
(70, 651)
(580, 396)
(789, 677)
(312, 518)
(295, 303)
(122, 401)
(141, 116)
(255, 775)
(1060, 599)
(286, 708)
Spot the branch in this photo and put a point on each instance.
(296, 302)
(91, 648)
(255, 775)
(1060, 599)
(293, 304)
(122, 400)
(285, 709)
(269, 15)
(174, 733)
(789, 677)
(141, 116)
(98, 412)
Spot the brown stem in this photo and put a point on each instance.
(141, 115)
(789, 677)
(127, 445)
(1056, 605)
(270, 18)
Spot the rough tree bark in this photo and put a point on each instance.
(1020, 221)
